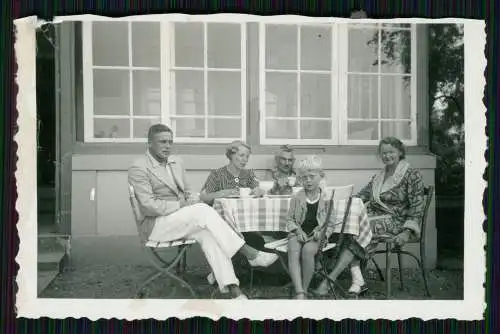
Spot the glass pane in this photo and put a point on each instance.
(281, 46)
(110, 43)
(223, 45)
(361, 130)
(315, 130)
(111, 128)
(224, 128)
(363, 50)
(396, 96)
(146, 44)
(224, 93)
(401, 130)
(315, 46)
(141, 126)
(281, 94)
(147, 93)
(189, 93)
(396, 51)
(315, 95)
(189, 127)
(362, 96)
(188, 44)
(111, 92)
(281, 129)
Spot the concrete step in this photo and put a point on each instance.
(50, 261)
(45, 277)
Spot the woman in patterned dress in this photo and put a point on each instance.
(394, 199)
(226, 182)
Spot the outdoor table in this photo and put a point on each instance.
(270, 213)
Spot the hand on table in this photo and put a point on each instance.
(258, 192)
(228, 192)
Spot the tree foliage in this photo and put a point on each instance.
(446, 96)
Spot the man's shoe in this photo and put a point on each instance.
(263, 259)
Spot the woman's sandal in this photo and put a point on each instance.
(356, 291)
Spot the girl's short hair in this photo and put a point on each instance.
(234, 147)
(310, 163)
(394, 142)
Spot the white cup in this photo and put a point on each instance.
(245, 192)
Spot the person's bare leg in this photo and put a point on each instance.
(294, 250)
(343, 261)
(309, 251)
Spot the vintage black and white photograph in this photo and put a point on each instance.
(243, 158)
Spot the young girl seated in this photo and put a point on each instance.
(306, 220)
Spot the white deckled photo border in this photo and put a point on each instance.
(472, 306)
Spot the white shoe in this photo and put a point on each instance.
(357, 288)
(263, 259)
(211, 278)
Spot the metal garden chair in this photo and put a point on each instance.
(174, 268)
(280, 247)
(389, 249)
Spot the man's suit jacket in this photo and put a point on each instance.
(158, 189)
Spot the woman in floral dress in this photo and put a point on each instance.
(394, 199)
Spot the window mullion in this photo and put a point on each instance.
(165, 49)
(379, 81)
(243, 77)
(130, 78)
(205, 78)
(334, 85)
(298, 80)
(262, 82)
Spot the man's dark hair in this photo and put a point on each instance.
(157, 128)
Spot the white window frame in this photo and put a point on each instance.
(343, 85)
(167, 85)
(339, 95)
(262, 86)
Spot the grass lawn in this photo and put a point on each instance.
(121, 281)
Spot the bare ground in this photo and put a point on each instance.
(122, 281)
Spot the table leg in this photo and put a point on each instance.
(388, 271)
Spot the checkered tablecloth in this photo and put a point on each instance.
(269, 214)
(254, 214)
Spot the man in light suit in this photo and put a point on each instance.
(163, 195)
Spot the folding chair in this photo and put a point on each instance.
(280, 247)
(428, 191)
(153, 250)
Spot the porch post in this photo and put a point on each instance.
(65, 111)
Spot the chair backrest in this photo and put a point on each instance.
(338, 193)
(138, 216)
(429, 193)
(341, 192)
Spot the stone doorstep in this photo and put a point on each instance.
(44, 278)
(50, 260)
